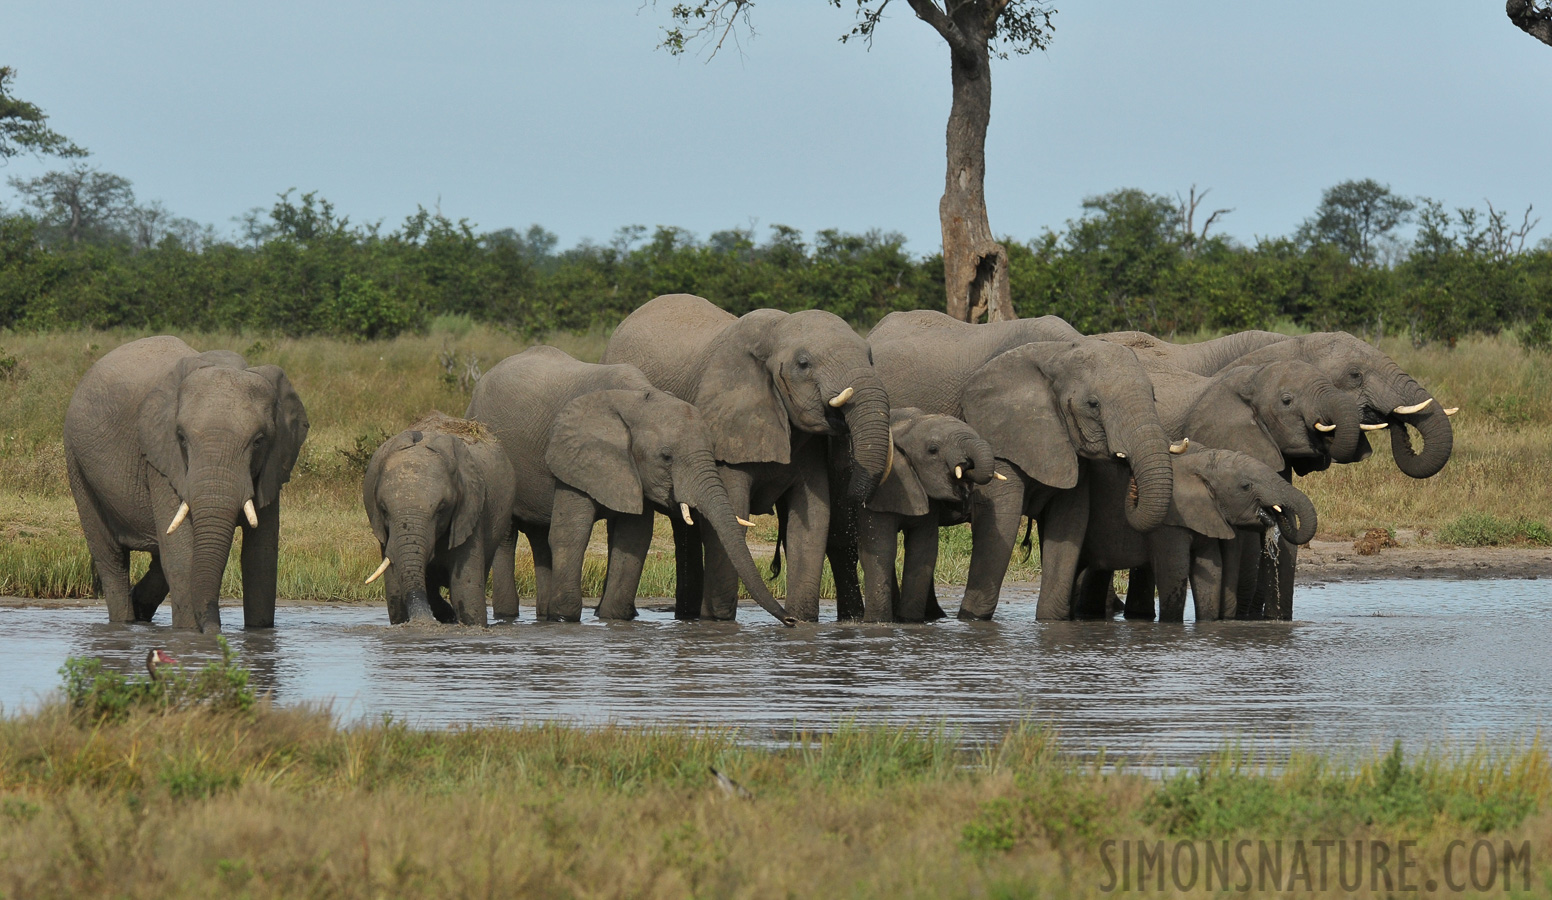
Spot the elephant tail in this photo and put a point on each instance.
(1028, 543)
(781, 537)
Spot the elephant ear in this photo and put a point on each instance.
(1012, 404)
(1224, 418)
(290, 431)
(159, 423)
(590, 449)
(901, 492)
(471, 489)
(1193, 505)
(737, 396)
(369, 484)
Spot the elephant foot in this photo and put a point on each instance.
(968, 616)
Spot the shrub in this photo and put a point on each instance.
(1482, 530)
(96, 694)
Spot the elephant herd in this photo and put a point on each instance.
(1125, 451)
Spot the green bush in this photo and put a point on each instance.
(96, 694)
(1481, 530)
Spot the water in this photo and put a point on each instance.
(1367, 662)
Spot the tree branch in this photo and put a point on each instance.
(1530, 18)
(929, 11)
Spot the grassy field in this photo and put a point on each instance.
(1492, 491)
(201, 792)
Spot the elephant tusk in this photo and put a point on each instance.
(379, 573)
(1277, 507)
(1180, 446)
(253, 517)
(684, 510)
(1120, 456)
(1452, 411)
(1380, 427)
(839, 400)
(959, 472)
(1321, 426)
(177, 519)
(743, 521)
(999, 476)
(1416, 408)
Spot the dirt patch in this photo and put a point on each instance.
(1372, 558)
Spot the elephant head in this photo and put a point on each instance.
(771, 372)
(1044, 405)
(225, 436)
(1218, 490)
(1276, 412)
(936, 458)
(623, 447)
(1388, 396)
(421, 489)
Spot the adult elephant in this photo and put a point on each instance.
(592, 441)
(168, 450)
(1047, 400)
(439, 498)
(771, 386)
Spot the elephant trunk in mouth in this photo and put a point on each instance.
(1431, 424)
(867, 418)
(407, 547)
(696, 482)
(982, 461)
(1147, 452)
(1338, 409)
(1297, 519)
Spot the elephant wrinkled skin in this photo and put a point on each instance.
(168, 451)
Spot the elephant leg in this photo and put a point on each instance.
(689, 569)
(260, 560)
(1139, 594)
(466, 581)
(439, 579)
(1170, 550)
(149, 591)
(1287, 567)
(1228, 605)
(808, 527)
(571, 525)
(719, 589)
(933, 610)
(110, 561)
(1248, 596)
(544, 569)
(1091, 594)
(629, 539)
(503, 580)
(1062, 527)
(995, 510)
(918, 571)
(877, 536)
(841, 549)
(1207, 578)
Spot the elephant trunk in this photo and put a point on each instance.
(215, 509)
(1147, 452)
(698, 483)
(1431, 424)
(867, 418)
(1297, 518)
(408, 548)
(1338, 409)
(982, 460)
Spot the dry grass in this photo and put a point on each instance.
(288, 804)
(359, 393)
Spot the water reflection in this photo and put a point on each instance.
(1367, 662)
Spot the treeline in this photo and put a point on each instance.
(1131, 260)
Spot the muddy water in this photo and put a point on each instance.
(1426, 661)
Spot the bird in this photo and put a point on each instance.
(157, 658)
(729, 786)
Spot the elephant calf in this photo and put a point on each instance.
(1214, 492)
(439, 497)
(937, 460)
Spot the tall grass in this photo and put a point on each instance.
(359, 392)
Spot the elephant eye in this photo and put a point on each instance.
(1245, 486)
(933, 449)
(1093, 404)
(802, 362)
(667, 454)
(1287, 399)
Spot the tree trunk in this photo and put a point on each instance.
(975, 266)
(1531, 19)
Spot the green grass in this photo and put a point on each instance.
(1482, 530)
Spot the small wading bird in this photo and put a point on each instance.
(157, 658)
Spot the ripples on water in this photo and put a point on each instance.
(1367, 662)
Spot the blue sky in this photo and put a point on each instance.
(564, 114)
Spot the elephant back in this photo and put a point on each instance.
(662, 334)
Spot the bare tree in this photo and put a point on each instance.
(79, 202)
(975, 264)
(1190, 237)
(1531, 17)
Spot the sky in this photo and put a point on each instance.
(565, 114)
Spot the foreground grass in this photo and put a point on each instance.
(288, 803)
(358, 393)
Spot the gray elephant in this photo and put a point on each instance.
(1215, 491)
(938, 460)
(439, 497)
(1047, 400)
(168, 450)
(594, 441)
(771, 386)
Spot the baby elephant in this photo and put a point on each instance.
(439, 497)
(1214, 492)
(937, 460)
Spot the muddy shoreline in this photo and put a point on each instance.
(1322, 561)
